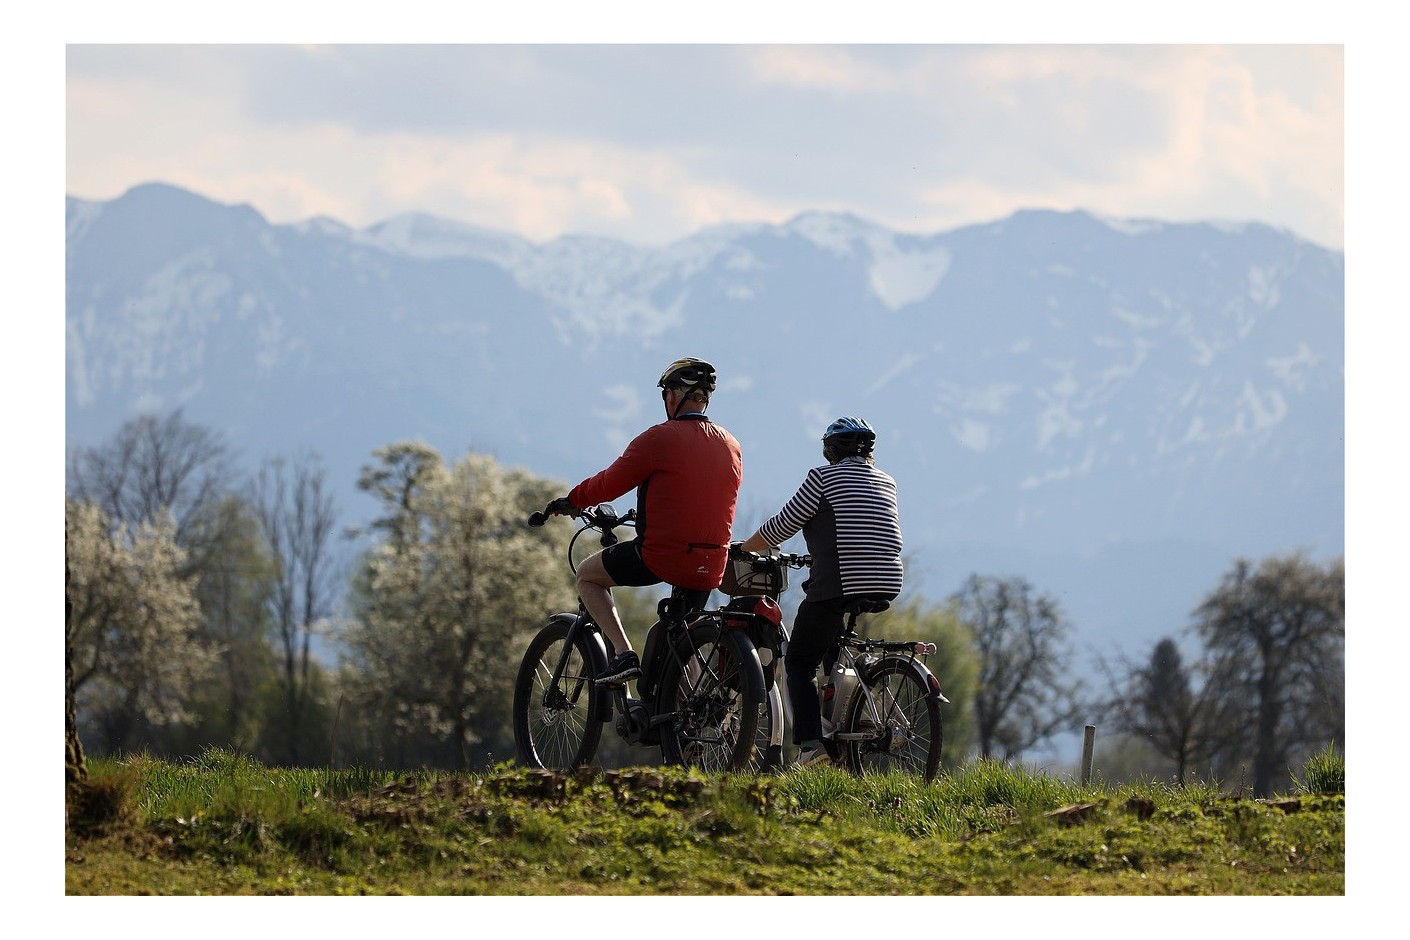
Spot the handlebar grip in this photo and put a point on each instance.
(537, 519)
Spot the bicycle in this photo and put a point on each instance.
(753, 579)
(881, 703)
(699, 694)
(890, 716)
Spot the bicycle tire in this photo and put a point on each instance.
(767, 756)
(714, 690)
(557, 728)
(903, 732)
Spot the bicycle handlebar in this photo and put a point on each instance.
(602, 517)
(765, 559)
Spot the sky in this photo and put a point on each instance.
(651, 142)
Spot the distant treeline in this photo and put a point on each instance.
(197, 601)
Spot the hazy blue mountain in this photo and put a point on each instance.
(1115, 410)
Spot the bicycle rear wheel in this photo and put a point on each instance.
(713, 689)
(893, 722)
(768, 734)
(556, 723)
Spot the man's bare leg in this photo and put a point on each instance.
(594, 587)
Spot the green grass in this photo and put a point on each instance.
(1325, 773)
(223, 824)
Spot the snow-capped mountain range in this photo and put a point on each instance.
(1112, 409)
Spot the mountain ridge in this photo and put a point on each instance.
(1057, 392)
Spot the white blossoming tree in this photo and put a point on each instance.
(131, 625)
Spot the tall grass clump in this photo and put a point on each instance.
(106, 800)
(1324, 772)
(821, 789)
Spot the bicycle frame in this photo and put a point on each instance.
(880, 709)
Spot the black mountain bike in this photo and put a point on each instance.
(699, 696)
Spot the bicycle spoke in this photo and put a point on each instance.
(894, 723)
(709, 728)
(556, 723)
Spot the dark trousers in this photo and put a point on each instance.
(816, 628)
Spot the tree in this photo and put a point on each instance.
(297, 517)
(233, 590)
(168, 473)
(1275, 635)
(1021, 698)
(444, 605)
(75, 764)
(155, 467)
(130, 630)
(1158, 703)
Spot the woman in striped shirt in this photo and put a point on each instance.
(846, 511)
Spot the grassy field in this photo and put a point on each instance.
(225, 825)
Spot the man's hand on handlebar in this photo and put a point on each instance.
(558, 507)
(561, 507)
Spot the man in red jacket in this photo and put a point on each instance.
(686, 471)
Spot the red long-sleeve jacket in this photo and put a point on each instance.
(686, 472)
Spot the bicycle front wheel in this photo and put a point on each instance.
(892, 722)
(713, 692)
(556, 723)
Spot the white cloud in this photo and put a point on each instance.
(544, 140)
(973, 435)
(827, 68)
(1291, 368)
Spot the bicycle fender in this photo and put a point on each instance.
(597, 648)
(926, 676)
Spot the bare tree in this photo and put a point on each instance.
(298, 516)
(1275, 636)
(158, 466)
(1021, 697)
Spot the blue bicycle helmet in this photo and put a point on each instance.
(846, 437)
(849, 425)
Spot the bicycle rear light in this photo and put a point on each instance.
(925, 649)
(768, 608)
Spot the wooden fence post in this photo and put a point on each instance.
(1089, 734)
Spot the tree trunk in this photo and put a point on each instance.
(75, 767)
(1267, 751)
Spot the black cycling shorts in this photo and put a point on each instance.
(625, 567)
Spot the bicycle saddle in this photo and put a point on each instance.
(865, 605)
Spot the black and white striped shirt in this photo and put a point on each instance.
(847, 513)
